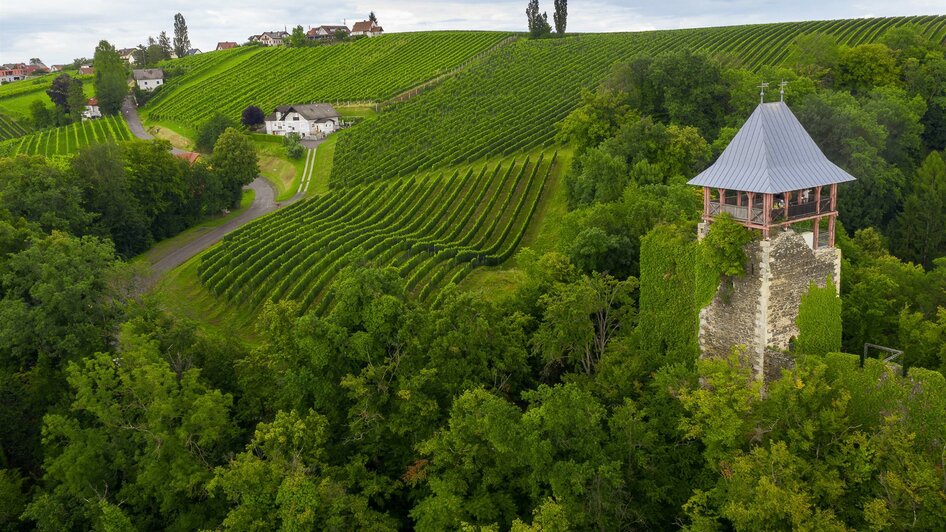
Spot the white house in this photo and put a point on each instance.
(128, 54)
(192, 51)
(326, 32)
(308, 120)
(366, 27)
(148, 79)
(271, 38)
(91, 110)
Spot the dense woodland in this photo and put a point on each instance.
(575, 401)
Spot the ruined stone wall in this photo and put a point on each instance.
(758, 310)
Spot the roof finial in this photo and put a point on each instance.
(781, 90)
(762, 86)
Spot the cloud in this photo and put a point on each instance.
(59, 30)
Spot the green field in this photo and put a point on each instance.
(510, 101)
(68, 139)
(364, 70)
(16, 98)
(11, 128)
(434, 229)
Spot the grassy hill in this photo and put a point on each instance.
(66, 140)
(363, 70)
(511, 100)
(440, 186)
(433, 228)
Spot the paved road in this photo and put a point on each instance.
(264, 202)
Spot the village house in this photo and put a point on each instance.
(192, 51)
(9, 75)
(92, 110)
(312, 120)
(367, 28)
(86, 70)
(326, 32)
(148, 79)
(57, 68)
(270, 38)
(128, 55)
(225, 45)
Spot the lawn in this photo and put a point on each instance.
(284, 173)
(324, 157)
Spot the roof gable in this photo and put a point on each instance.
(771, 153)
(148, 73)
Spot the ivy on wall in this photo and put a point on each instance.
(819, 320)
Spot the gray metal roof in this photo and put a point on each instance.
(772, 153)
(309, 111)
(148, 73)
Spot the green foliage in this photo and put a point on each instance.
(538, 22)
(208, 132)
(863, 67)
(294, 150)
(819, 320)
(921, 226)
(814, 55)
(110, 75)
(234, 163)
(69, 139)
(724, 246)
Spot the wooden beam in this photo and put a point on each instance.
(814, 238)
(818, 199)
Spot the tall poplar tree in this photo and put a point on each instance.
(560, 16)
(111, 76)
(181, 42)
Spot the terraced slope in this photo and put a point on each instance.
(511, 100)
(15, 98)
(366, 69)
(10, 128)
(67, 139)
(434, 230)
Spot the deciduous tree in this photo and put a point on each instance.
(182, 42)
(110, 78)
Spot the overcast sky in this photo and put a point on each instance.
(58, 31)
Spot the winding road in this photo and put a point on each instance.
(264, 202)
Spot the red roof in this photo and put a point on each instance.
(365, 25)
(226, 45)
(189, 156)
(92, 102)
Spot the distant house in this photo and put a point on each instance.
(57, 68)
(192, 51)
(148, 79)
(12, 74)
(325, 32)
(225, 45)
(308, 120)
(86, 69)
(128, 54)
(366, 27)
(91, 110)
(270, 38)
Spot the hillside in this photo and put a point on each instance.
(433, 229)
(366, 69)
(66, 140)
(511, 100)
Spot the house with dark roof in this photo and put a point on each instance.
(148, 79)
(311, 120)
(87, 70)
(367, 28)
(128, 54)
(326, 32)
(225, 45)
(192, 51)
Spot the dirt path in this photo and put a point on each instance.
(264, 202)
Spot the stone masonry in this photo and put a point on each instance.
(757, 311)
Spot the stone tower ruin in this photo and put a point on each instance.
(772, 178)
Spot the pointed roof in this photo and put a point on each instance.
(771, 153)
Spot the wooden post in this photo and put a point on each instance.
(818, 199)
(766, 215)
(814, 237)
(834, 214)
(738, 199)
(722, 198)
(751, 196)
(706, 204)
(786, 197)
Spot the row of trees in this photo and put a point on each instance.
(539, 22)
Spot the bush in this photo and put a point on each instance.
(253, 116)
(210, 131)
(294, 149)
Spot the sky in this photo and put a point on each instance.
(58, 31)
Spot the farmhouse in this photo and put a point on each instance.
(128, 54)
(270, 38)
(57, 68)
(192, 51)
(91, 110)
(308, 120)
(12, 74)
(366, 27)
(148, 79)
(87, 70)
(226, 45)
(326, 32)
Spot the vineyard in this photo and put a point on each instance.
(510, 101)
(10, 128)
(367, 69)
(67, 139)
(15, 98)
(433, 229)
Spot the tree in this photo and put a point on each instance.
(59, 91)
(297, 38)
(181, 42)
(75, 102)
(40, 115)
(814, 55)
(866, 66)
(560, 16)
(372, 17)
(110, 78)
(921, 226)
(165, 43)
(538, 23)
(819, 320)
(294, 149)
(209, 131)
(234, 160)
(252, 116)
